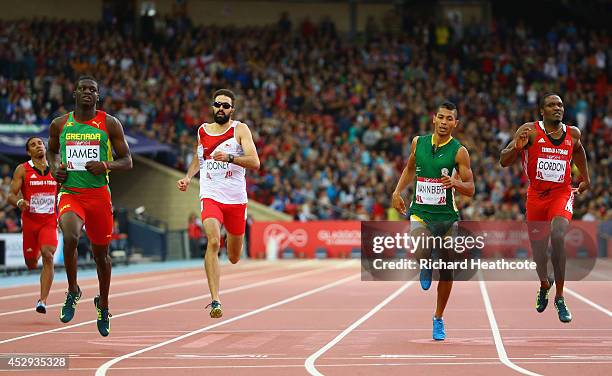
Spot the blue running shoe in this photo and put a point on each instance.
(564, 313)
(438, 329)
(103, 320)
(425, 278)
(67, 311)
(215, 309)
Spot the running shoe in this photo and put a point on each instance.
(542, 298)
(215, 309)
(425, 278)
(67, 311)
(103, 320)
(438, 329)
(40, 307)
(564, 313)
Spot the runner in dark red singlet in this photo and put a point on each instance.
(547, 149)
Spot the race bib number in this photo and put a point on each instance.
(552, 170)
(78, 153)
(42, 203)
(217, 169)
(430, 192)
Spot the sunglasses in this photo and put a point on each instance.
(225, 105)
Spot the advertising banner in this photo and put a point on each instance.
(336, 238)
(14, 136)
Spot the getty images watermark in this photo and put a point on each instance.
(458, 244)
(495, 250)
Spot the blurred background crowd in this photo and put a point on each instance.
(332, 116)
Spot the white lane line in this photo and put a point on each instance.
(104, 367)
(587, 301)
(499, 344)
(229, 367)
(119, 282)
(115, 283)
(178, 302)
(149, 289)
(196, 269)
(310, 361)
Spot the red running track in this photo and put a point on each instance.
(301, 317)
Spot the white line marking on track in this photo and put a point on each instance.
(310, 361)
(587, 301)
(499, 344)
(101, 371)
(188, 300)
(149, 289)
(114, 283)
(406, 356)
(356, 365)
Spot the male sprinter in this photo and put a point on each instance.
(38, 215)
(80, 157)
(436, 159)
(548, 148)
(225, 149)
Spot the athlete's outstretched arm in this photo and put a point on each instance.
(123, 160)
(521, 140)
(58, 171)
(465, 186)
(407, 176)
(580, 159)
(16, 183)
(250, 159)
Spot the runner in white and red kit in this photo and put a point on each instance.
(38, 213)
(225, 149)
(547, 149)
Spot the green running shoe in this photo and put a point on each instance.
(67, 311)
(103, 320)
(542, 298)
(215, 309)
(564, 314)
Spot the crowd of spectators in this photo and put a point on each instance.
(332, 116)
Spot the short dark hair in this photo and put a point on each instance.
(227, 93)
(450, 106)
(81, 78)
(30, 139)
(543, 98)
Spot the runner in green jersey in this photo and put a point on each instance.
(80, 157)
(436, 160)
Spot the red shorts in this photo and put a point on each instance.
(545, 208)
(94, 207)
(38, 233)
(233, 216)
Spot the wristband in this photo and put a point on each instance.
(19, 201)
(230, 159)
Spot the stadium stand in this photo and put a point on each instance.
(332, 117)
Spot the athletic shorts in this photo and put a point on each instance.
(435, 228)
(36, 234)
(232, 216)
(94, 207)
(442, 229)
(545, 207)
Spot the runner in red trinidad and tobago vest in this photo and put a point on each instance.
(38, 214)
(547, 149)
(80, 156)
(224, 151)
